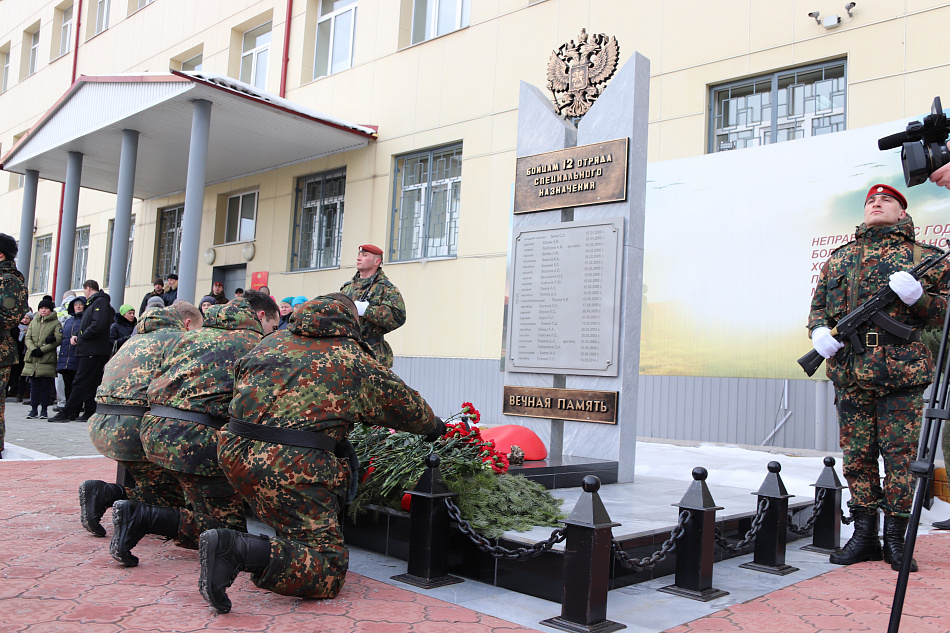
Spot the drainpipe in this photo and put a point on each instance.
(285, 57)
(62, 191)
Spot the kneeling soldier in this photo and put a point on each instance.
(296, 398)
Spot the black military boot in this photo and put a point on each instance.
(94, 497)
(864, 544)
(894, 530)
(224, 553)
(132, 520)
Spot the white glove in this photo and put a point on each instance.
(361, 307)
(906, 287)
(824, 343)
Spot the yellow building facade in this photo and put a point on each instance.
(439, 80)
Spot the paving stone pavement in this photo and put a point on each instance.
(55, 577)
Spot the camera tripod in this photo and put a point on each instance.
(923, 468)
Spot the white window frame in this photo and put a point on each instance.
(196, 67)
(80, 256)
(102, 15)
(6, 71)
(333, 18)
(738, 117)
(253, 57)
(39, 280)
(128, 266)
(34, 51)
(239, 232)
(318, 221)
(435, 203)
(66, 31)
(145, 3)
(429, 22)
(168, 250)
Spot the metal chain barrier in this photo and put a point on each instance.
(810, 523)
(649, 562)
(520, 553)
(750, 535)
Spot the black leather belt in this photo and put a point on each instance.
(120, 409)
(873, 338)
(278, 435)
(162, 411)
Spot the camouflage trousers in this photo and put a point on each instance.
(210, 503)
(295, 491)
(153, 485)
(873, 424)
(4, 377)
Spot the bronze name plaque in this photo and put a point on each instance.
(574, 177)
(561, 404)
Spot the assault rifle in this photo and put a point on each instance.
(870, 311)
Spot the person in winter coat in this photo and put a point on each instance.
(93, 349)
(122, 328)
(68, 361)
(42, 338)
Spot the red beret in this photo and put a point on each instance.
(887, 190)
(375, 250)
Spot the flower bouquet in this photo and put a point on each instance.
(491, 500)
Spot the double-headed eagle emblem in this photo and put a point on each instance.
(577, 73)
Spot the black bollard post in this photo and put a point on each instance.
(587, 555)
(770, 540)
(429, 531)
(826, 534)
(696, 548)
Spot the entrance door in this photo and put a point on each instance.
(234, 277)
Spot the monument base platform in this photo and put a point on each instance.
(566, 471)
(644, 509)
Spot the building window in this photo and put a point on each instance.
(432, 18)
(241, 218)
(798, 103)
(128, 267)
(144, 3)
(5, 61)
(335, 31)
(34, 52)
(426, 204)
(169, 241)
(254, 52)
(318, 220)
(42, 252)
(193, 64)
(102, 15)
(66, 31)
(80, 256)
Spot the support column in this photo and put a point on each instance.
(67, 231)
(27, 218)
(123, 218)
(194, 200)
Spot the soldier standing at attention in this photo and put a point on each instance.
(121, 401)
(296, 397)
(188, 405)
(12, 308)
(879, 393)
(381, 308)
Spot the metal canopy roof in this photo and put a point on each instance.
(251, 131)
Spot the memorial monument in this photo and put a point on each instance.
(573, 339)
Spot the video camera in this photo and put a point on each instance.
(924, 145)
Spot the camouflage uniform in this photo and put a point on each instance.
(879, 394)
(385, 313)
(197, 375)
(125, 382)
(13, 306)
(314, 376)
